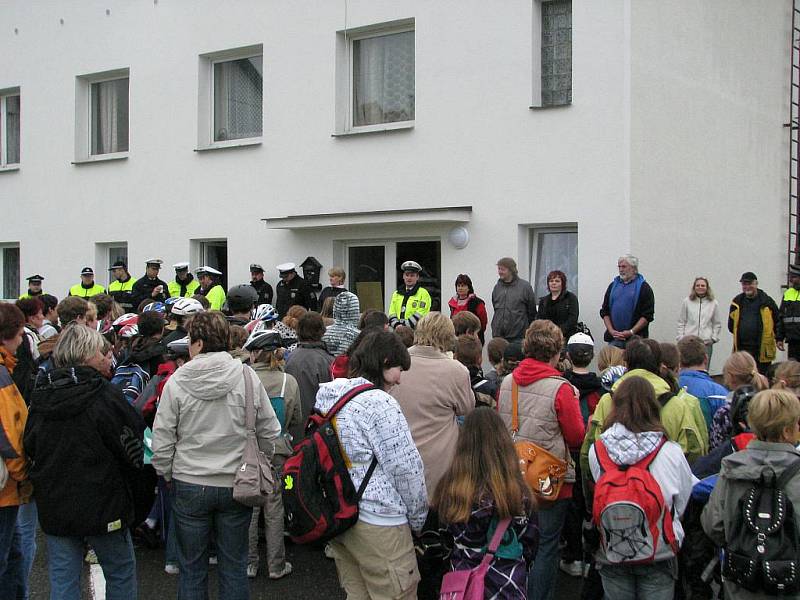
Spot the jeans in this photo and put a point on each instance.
(544, 572)
(27, 521)
(114, 553)
(655, 581)
(198, 510)
(13, 581)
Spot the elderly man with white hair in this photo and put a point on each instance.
(628, 305)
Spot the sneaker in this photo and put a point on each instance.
(287, 568)
(574, 568)
(328, 551)
(91, 557)
(212, 560)
(171, 569)
(252, 570)
(147, 535)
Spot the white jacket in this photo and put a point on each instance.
(699, 317)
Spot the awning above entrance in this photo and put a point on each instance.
(447, 214)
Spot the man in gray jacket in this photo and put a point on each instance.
(514, 302)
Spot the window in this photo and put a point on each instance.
(102, 109)
(554, 58)
(554, 249)
(212, 253)
(9, 266)
(107, 253)
(9, 127)
(375, 86)
(231, 99)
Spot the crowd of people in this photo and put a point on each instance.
(124, 422)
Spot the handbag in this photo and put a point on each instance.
(544, 471)
(468, 584)
(254, 480)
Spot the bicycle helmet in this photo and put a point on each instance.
(179, 347)
(186, 306)
(265, 312)
(263, 340)
(158, 307)
(126, 319)
(242, 297)
(129, 331)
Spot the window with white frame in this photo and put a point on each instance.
(554, 249)
(107, 253)
(552, 53)
(9, 267)
(9, 127)
(102, 108)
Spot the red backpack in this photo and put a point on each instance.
(629, 510)
(319, 498)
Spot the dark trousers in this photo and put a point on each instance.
(763, 367)
(794, 350)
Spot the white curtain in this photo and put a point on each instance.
(238, 99)
(556, 251)
(383, 79)
(12, 129)
(110, 116)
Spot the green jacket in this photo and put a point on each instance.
(216, 297)
(82, 292)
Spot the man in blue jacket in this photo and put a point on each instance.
(695, 378)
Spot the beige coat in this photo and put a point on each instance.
(432, 394)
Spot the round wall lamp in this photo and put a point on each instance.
(459, 237)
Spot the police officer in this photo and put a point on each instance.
(241, 300)
(292, 290)
(263, 289)
(34, 287)
(210, 286)
(184, 285)
(789, 330)
(87, 287)
(121, 289)
(410, 298)
(150, 287)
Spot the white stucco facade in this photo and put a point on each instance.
(672, 149)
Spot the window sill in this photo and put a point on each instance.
(243, 143)
(101, 158)
(9, 168)
(382, 128)
(550, 106)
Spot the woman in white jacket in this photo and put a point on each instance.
(700, 315)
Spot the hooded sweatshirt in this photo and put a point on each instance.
(669, 469)
(344, 330)
(199, 432)
(372, 425)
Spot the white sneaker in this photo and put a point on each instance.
(212, 560)
(574, 568)
(287, 568)
(252, 570)
(171, 569)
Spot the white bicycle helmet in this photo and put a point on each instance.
(265, 312)
(263, 339)
(186, 306)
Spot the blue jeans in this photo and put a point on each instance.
(655, 581)
(13, 581)
(27, 521)
(544, 572)
(114, 553)
(199, 510)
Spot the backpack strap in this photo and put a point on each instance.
(352, 393)
(249, 403)
(664, 398)
(606, 464)
(514, 408)
(283, 387)
(494, 544)
(788, 473)
(367, 476)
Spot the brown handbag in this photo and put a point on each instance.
(543, 471)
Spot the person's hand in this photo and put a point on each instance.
(157, 291)
(780, 345)
(618, 335)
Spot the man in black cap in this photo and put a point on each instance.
(292, 289)
(34, 287)
(150, 287)
(263, 289)
(87, 287)
(754, 321)
(789, 329)
(121, 289)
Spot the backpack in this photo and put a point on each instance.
(319, 498)
(629, 510)
(762, 550)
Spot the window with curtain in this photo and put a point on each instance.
(554, 250)
(383, 79)
(109, 116)
(238, 99)
(10, 257)
(9, 149)
(556, 52)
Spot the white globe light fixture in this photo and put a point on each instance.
(459, 237)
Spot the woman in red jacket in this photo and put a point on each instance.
(465, 299)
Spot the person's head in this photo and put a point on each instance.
(327, 308)
(543, 341)
(436, 330)
(580, 350)
(49, 303)
(151, 325)
(484, 462)
(506, 269)
(787, 377)
(774, 415)
(203, 301)
(35, 284)
(205, 280)
(208, 332)
(293, 315)
(256, 273)
(740, 406)
(72, 309)
(241, 299)
(286, 272)
(152, 268)
(512, 356)
(670, 357)
(749, 283)
(634, 405)
(336, 276)
(119, 273)
(12, 322)
(494, 350)
(794, 276)
(373, 318)
(693, 353)
(32, 308)
(628, 267)
(265, 347)
(181, 271)
(556, 282)
(741, 369)
(701, 289)
(465, 322)
(380, 358)
(103, 303)
(406, 335)
(610, 356)
(238, 337)
(642, 353)
(87, 276)
(464, 286)
(411, 270)
(310, 327)
(80, 346)
(468, 351)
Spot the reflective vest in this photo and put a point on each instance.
(420, 303)
(175, 288)
(215, 297)
(82, 292)
(27, 295)
(118, 286)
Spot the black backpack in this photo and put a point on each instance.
(762, 552)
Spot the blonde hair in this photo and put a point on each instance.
(787, 377)
(709, 293)
(610, 356)
(543, 340)
(435, 329)
(272, 358)
(76, 345)
(741, 369)
(293, 315)
(771, 412)
(337, 272)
